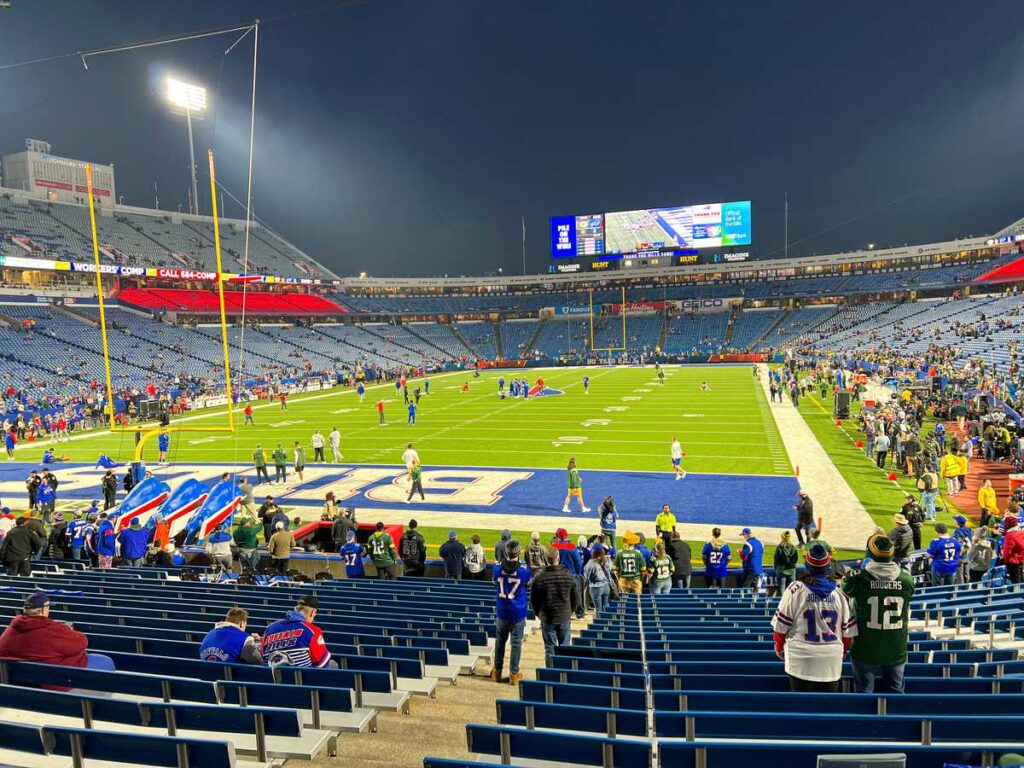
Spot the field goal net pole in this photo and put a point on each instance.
(622, 313)
(145, 433)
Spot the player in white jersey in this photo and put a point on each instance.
(409, 458)
(677, 459)
(814, 625)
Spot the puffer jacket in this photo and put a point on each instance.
(902, 541)
(553, 595)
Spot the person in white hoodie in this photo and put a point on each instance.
(476, 559)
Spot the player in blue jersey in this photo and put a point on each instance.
(426, 386)
(361, 391)
(412, 413)
(163, 442)
(501, 384)
(586, 385)
(228, 641)
(510, 578)
(352, 553)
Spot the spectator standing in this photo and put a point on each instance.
(979, 557)
(752, 557)
(229, 643)
(268, 509)
(499, 548)
(382, 551)
(105, 542)
(32, 483)
(17, 547)
(280, 547)
(598, 577)
(38, 527)
(629, 566)
(161, 533)
(716, 555)
(928, 484)
(570, 558)
(134, 541)
(945, 554)
(218, 547)
(342, 525)
(453, 552)
(476, 559)
(609, 517)
(510, 579)
(296, 641)
(915, 518)
(804, 518)
(352, 553)
(679, 551)
(880, 592)
(987, 502)
(786, 558)
(1013, 549)
(902, 539)
(413, 550)
(813, 626)
(553, 595)
(535, 554)
(882, 445)
(245, 488)
(662, 568)
(247, 540)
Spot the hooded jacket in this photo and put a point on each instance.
(43, 640)
(499, 548)
(1013, 546)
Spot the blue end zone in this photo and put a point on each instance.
(712, 499)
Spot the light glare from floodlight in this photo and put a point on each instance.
(186, 97)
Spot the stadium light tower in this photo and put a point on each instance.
(188, 100)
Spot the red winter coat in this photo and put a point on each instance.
(1013, 547)
(43, 640)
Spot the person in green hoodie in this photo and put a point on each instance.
(280, 464)
(785, 562)
(246, 539)
(259, 460)
(382, 551)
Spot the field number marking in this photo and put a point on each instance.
(569, 440)
(596, 423)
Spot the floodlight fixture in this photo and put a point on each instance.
(186, 97)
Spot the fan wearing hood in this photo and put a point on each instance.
(510, 580)
(813, 626)
(880, 592)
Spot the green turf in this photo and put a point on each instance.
(881, 497)
(626, 422)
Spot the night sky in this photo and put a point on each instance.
(409, 136)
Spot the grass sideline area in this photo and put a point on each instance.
(881, 497)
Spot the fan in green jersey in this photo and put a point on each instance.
(880, 593)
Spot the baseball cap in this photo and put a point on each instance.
(350, 535)
(801, 493)
(596, 548)
(310, 601)
(746, 532)
(135, 523)
(561, 533)
(37, 600)
(453, 534)
(960, 520)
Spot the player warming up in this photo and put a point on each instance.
(704, 387)
(575, 487)
(677, 459)
(586, 385)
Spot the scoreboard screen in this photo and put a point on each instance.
(708, 225)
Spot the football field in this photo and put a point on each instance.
(491, 463)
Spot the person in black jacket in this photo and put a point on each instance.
(902, 538)
(109, 485)
(553, 594)
(17, 548)
(412, 548)
(915, 515)
(804, 518)
(679, 551)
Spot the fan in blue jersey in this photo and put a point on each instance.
(609, 516)
(296, 641)
(76, 535)
(945, 554)
(228, 641)
(510, 580)
(352, 553)
(716, 556)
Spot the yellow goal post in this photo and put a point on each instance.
(622, 314)
(147, 432)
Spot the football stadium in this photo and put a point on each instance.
(696, 485)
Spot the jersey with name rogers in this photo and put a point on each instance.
(295, 642)
(815, 625)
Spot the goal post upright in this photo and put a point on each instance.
(622, 312)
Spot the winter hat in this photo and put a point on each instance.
(880, 548)
(631, 538)
(512, 550)
(817, 558)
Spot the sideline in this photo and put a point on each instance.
(846, 524)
